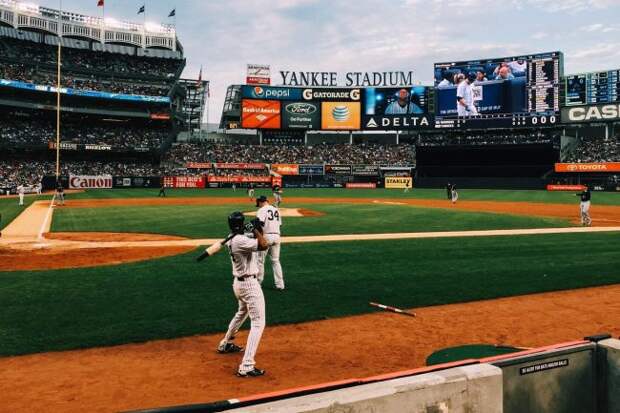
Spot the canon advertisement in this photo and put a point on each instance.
(90, 181)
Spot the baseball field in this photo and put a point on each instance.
(105, 307)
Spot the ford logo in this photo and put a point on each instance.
(300, 108)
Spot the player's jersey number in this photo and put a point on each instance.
(273, 215)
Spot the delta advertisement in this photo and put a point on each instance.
(90, 181)
(340, 115)
(588, 167)
(260, 114)
(397, 108)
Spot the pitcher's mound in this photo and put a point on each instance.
(293, 212)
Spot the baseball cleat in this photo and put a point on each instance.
(252, 373)
(229, 348)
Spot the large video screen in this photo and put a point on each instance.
(500, 92)
(396, 108)
(593, 88)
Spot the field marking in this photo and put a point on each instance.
(44, 225)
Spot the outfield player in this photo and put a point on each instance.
(584, 206)
(454, 195)
(449, 191)
(162, 190)
(277, 195)
(465, 97)
(243, 255)
(251, 190)
(20, 191)
(272, 220)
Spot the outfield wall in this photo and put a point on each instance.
(578, 376)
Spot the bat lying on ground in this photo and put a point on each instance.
(215, 248)
(393, 309)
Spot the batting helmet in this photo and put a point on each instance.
(235, 222)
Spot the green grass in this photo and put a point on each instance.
(470, 351)
(175, 296)
(9, 208)
(598, 198)
(210, 221)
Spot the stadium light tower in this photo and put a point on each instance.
(58, 95)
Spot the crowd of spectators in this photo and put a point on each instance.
(369, 154)
(596, 150)
(28, 130)
(29, 74)
(490, 138)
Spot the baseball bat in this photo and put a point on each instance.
(392, 309)
(215, 248)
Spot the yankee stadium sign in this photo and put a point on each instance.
(351, 79)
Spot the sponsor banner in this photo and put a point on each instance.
(393, 182)
(160, 116)
(365, 185)
(301, 115)
(258, 75)
(64, 146)
(239, 165)
(565, 188)
(276, 180)
(238, 179)
(340, 115)
(90, 181)
(137, 181)
(270, 93)
(311, 170)
(588, 167)
(285, 168)
(397, 122)
(97, 147)
(338, 169)
(365, 170)
(184, 181)
(591, 113)
(260, 114)
(337, 95)
(199, 165)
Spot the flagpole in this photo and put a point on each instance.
(58, 94)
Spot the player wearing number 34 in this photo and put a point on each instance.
(270, 216)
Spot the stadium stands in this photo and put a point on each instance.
(597, 150)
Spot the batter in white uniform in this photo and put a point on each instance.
(270, 216)
(465, 97)
(243, 255)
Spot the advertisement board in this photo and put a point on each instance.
(238, 179)
(90, 181)
(588, 167)
(574, 188)
(398, 182)
(199, 165)
(137, 182)
(270, 93)
(591, 113)
(239, 165)
(260, 114)
(301, 115)
(285, 168)
(396, 108)
(332, 95)
(338, 169)
(258, 74)
(361, 185)
(340, 115)
(184, 181)
(365, 170)
(312, 170)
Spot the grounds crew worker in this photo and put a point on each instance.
(243, 255)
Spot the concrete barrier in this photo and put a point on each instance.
(609, 375)
(468, 389)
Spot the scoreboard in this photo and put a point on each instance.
(593, 88)
(543, 85)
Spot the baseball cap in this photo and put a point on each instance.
(260, 199)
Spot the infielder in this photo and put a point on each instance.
(251, 191)
(454, 195)
(465, 97)
(449, 191)
(243, 256)
(270, 217)
(277, 195)
(21, 190)
(584, 206)
(60, 194)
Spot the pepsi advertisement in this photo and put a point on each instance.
(270, 92)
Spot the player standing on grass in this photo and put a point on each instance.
(584, 206)
(277, 195)
(449, 191)
(20, 191)
(270, 217)
(60, 193)
(243, 255)
(454, 196)
(251, 190)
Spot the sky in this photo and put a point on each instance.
(223, 36)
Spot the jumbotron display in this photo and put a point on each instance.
(593, 88)
(501, 92)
